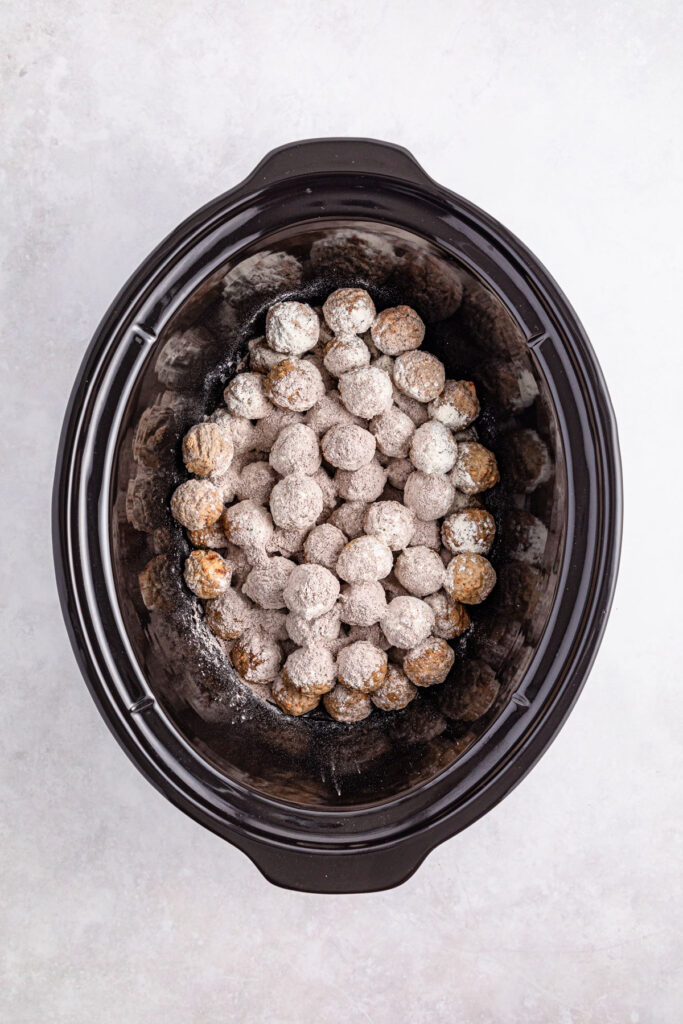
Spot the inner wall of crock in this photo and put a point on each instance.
(313, 760)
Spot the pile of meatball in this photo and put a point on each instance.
(337, 537)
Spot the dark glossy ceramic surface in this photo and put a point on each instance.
(318, 805)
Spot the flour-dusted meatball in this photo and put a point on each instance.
(393, 432)
(229, 615)
(385, 363)
(328, 412)
(430, 496)
(240, 431)
(350, 518)
(248, 525)
(366, 392)
(429, 662)
(348, 253)
(255, 483)
(457, 406)
(396, 692)
(310, 670)
(472, 694)
(256, 657)
(420, 571)
(473, 530)
(292, 327)
(261, 357)
(398, 471)
(365, 559)
(246, 396)
(196, 504)
(291, 700)
(432, 448)
(419, 375)
(398, 330)
(469, 578)
(392, 522)
(206, 573)
(348, 446)
(361, 666)
(323, 630)
(342, 355)
(206, 448)
(323, 545)
(208, 537)
(408, 621)
(435, 288)
(311, 590)
(346, 705)
(364, 484)
(475, 468)
(296, 501)
(328, 489)
(295, 384)
(426, 534)
(349, 311)
(526, 537)
(295, 451)
(265, 584)
(450, 617)
(527, 460)
(268, 429)
(362, 604)
(272, 622)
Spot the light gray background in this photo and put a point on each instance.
(119, 120)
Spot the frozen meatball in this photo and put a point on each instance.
(196, 504)
(229, 615)
(295, 451)
(469, 578)
(311, 590)
(393, 432)
(407, 621)
(430, 496)
(268, 429)
(310, 670)
(265, 584)
(345, 705)
(365, 559)
(248, 525)
(295, 384)
(472, 694)
(392, 522)
(206, 448)
(429, 662)
(292, 327)
(348, 446)
(350, 518)
(361, 666)
(323, 630)
(366, 392)
(420, 571)
(292, 701)
(246, 396)
(328, 412)
(349, 311)
(324, 545)
(426, 534)
(364, 484)
(473, 530)
(271, 622)
(398, 471)
(419, 375)
(362, 604)
(457, 406)
(206, 573)
(397, 330)
(432, 449)
(261, 357)
(396, 692)
(255, 483)
(450, 617)
(328, 489)
(296, 501)
(475, 468)
(256, 657)
(240, 431)
(342, 355)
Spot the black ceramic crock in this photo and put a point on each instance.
(316, 805)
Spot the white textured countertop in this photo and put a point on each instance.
(561, 904)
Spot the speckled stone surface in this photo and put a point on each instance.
(559, 906)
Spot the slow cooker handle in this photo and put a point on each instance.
(319, 156)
